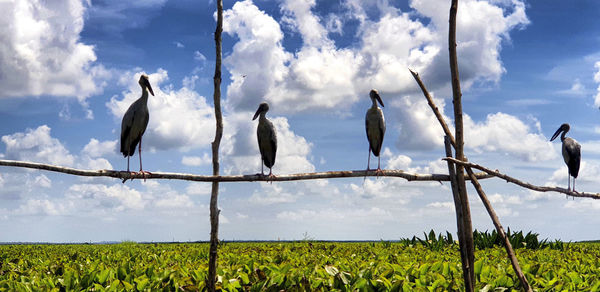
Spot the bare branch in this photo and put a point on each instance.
(500, 230)
(513, 180)
(469, 274)
(434, 108)
(234, 178)
(214, 210)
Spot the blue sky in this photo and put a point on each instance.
(69, 71)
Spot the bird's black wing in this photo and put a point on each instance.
(125, 131)
(573, 150)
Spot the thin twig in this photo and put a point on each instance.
(433, 107)
(214, 210)
(513, 180)
(234, 178)
(500, 230)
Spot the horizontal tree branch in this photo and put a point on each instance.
(513, 180)
(124, 175)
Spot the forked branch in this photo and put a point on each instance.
(513, 180)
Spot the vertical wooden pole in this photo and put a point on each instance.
(214, 210)
(469, 273)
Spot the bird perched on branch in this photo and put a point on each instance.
(375, 126)
(135, 122)
(267, 138)
(571, 152)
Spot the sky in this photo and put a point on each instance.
(69, 71)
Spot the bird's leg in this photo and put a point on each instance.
(574, 188)
(144, 173)
(368, 163)
(271, 176)
(128, 171)
(378, 172)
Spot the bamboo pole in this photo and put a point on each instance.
(214, 210)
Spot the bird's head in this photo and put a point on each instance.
(145, 83)
(374, 94)
(563, 128)
(262, 108)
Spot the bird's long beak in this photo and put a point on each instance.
(149, 87)
(379, 99)
(556, 134)
(257, 114)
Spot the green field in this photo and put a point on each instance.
(290, 266)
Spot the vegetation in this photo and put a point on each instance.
(483, 240)
(293, 266)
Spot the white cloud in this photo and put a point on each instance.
(43, 181)
(505, 133)
(117, 197)
(39, 207)
(179, 119)
(597, 79)
(179, 45)
(205, 159)
(95, 148)
(114, 16)
(374, 215)
(41, 52)
(321, 76)
(199, 56)
(37, 146)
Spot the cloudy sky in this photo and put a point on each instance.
(69, 71)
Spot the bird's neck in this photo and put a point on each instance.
(262, 116)
(374, 105)
(562, 137)
(144, 94)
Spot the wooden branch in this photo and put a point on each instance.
(464, 258)
(214, 210)
(234, 178)
(434, 108)
(527, 185)
(469, 275)
(500, 230)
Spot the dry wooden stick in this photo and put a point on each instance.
(433, 107)
(500, 229)
(469, 274)
(513, 180)
(234, 178)
(214, 210)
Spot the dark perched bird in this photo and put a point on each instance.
(135, 122)
(267, 138)
(375, 126)
(571, 152)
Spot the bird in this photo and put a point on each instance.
(571, 152)
(135, 122)
(267, 138)
(375, 126)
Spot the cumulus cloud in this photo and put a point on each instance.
(179, 118)
(505, 133)
(41, 52)
(374, 215)
(205, 159)
(37, 145)
(95, 148)
(320, 75)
